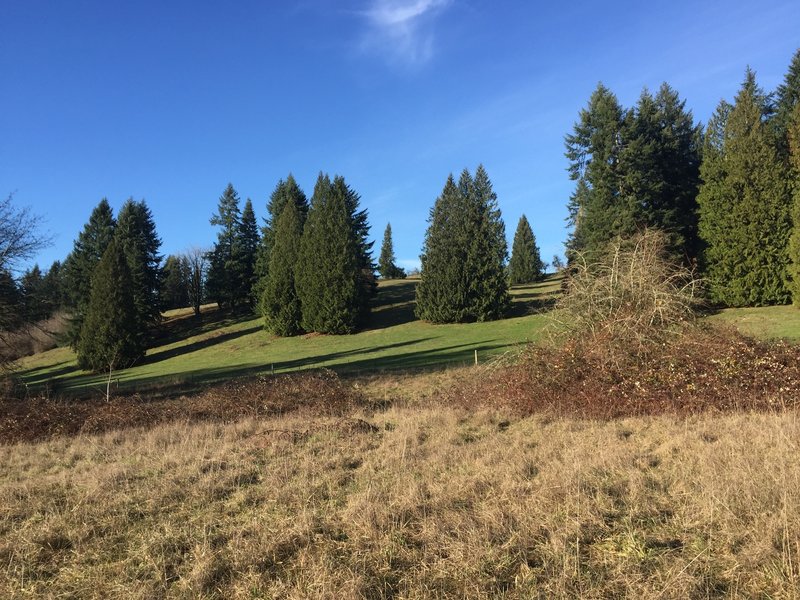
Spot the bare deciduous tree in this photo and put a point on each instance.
(197, 260)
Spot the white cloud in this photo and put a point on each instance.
(402, 29)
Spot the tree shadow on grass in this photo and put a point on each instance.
(41, 374)
(394, 305)
(176, 329)
(211, 340)
(352, 362)
(533, 304)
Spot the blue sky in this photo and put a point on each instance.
(169, 101)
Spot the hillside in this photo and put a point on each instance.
(221, 346)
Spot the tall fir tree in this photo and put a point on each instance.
(787, 98)
(54, 285)
(280, 304)
(175, 290)
(136, 235)
(787, 121)
(793, 139)
(359, 223)
(526, 264)
(34, 295)
(246, 250)
(285, 191)
(660, 168)
(11, 299)
(463, 260)
(328, 276)
(634, 169)
(111, 336)
(745, 211)
(593, 149)
(441, 294)
(224, 274)
(79, 267)
(488, 250)
(386, 263)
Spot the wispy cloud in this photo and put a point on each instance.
(402, 29)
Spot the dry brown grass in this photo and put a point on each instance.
(428, 503)
(33, 338)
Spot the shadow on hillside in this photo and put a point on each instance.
(420, 361)
(393, 305)
(176, 329)
(211, 340)
(530, 304)
(41, 374)
(345, 363)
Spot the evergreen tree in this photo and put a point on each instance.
(225, 275)
(34, 295)
(442, 295)
(788, 97)
(245, 252)
(600, 212)
(386, 263)
(634, 169)
(526, 264)
(488, 250)
(328, 278)
(54, 286)
(787, 120)
(660, 168)
(745, 217)
(79, 267)
(463, 260)
(284, 192)
(175, 292)
(280, 303)
(10, 300)
(793, 138)
(137, 237)
(359, 223)
(111, 336)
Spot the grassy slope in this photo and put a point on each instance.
(223, 348)
(220, 347)
(432, 503)
(770, 322)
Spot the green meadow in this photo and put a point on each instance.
(218, 346)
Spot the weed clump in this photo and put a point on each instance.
(628, 343)
(631, 302)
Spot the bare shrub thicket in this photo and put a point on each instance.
(632, 300)
(628, 343)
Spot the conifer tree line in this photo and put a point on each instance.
(463, 274)
(309, 268)
(727, 194)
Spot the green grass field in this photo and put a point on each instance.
(218, 346)
(767, 322)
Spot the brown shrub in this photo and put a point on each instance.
(320, 393)
(703, 369)
(631, 301)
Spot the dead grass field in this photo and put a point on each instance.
(408, 503)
